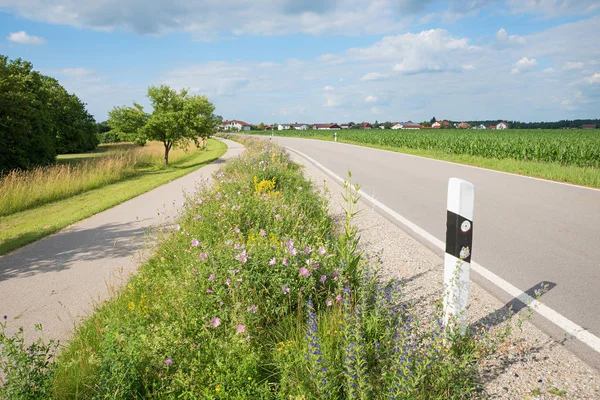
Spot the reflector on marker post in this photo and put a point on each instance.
(459, 247)
(335, 136)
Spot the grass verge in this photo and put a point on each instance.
(584, 176)
(257, 295)
(21, 228)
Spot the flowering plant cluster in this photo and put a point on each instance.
(253, 296)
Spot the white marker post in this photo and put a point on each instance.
(335, 136)
(459, 246)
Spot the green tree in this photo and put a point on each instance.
(261, 126)
(25, 120)
(432, 120)
(177, 119)
(387, 125)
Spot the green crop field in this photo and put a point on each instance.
(579, 148)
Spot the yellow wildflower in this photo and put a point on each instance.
(131, 305)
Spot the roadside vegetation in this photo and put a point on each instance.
(257, 294)
(571, 156)
(36, 203)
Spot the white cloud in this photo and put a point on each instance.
(524, 64)
(22, 37)
(468, 67)
(549, 70)
(370, 99)
(553, 8)
(593, 79)
(504, 39)
(374, 76)
(329, 88)
(570, 65)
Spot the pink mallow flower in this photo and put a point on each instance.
(203, 256)
(215, 322)
(240, 328)
(285, 262)
(242, 257)
(321, 250)
(228, 282)
(253, 309)
(195, 243)
(211, 277)
(273, 261)
(323, 278)
(209, 291)
(285, 289)
(263, 233)
(329, 302)
(168, 361)
(304, 272)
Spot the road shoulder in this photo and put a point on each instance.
(529, 365)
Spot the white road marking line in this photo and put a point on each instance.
(564, 323)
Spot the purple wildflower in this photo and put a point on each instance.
(177, 227)
(273, 261)
(228, 282)
(195, 243)
(329, 302)
(240, 328)
(304, 272)
(321, 250)
(203, 256)
(211, 277)
(168, 361)
(308, 249)
(263, 233)
(209, 291)
(285, 262)
(323, 278)
(242, 257)
(293, 252)
(215, 322)
(253, 309)
(285, 289)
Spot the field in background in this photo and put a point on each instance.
(571, 156)
(50, 215)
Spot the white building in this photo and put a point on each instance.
(300, 127)
(283, 127)
(236, 125)
(502, 125)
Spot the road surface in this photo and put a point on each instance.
(56, 280)
(526, 231)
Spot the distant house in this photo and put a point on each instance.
(326, 127)
(463, 125)
(502, 125)
(267, 127)
(345, 126)
(300, 127)
(410, 125)
(482, 126)
(366, 125)
(397, 125)
(236, 125)
(436, 125)
(492, 127)
(283, 127)
(588, 126)
(446, 124)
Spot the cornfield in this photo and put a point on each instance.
(567, 147)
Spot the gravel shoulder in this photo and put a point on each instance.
(529, 366)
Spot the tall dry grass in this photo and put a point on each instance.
(21, 190)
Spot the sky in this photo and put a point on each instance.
(319, 61)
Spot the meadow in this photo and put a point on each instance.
(562, 155)
(36, 203)
(256, 294)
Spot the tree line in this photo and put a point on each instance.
(39, 118)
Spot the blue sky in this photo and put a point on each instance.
(321, 61)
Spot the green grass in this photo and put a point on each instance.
(21, 228)
(555, 171)
(255, 297)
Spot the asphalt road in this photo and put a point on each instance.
(57, 280)
(526, 230)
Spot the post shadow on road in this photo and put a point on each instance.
(513, 307)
